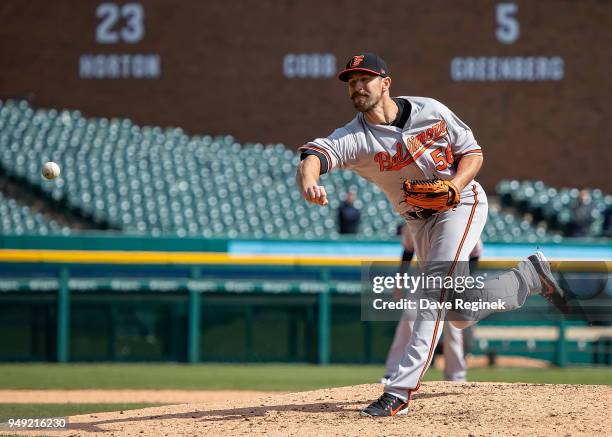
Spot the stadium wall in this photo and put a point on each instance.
(189, 306)
(92, 245)
(68, 313)
(517, 72)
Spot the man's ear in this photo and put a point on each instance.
(386, 83)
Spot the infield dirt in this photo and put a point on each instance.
(438, 408)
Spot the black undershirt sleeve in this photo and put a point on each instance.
(319, 155)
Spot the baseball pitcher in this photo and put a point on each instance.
(425, 159)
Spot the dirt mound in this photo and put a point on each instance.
(438, 408)
(125, 396)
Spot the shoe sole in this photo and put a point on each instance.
(550, 288)
(402, 412)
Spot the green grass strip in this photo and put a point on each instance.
(285, 377)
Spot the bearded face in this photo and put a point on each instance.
(365, 91)
(363, 102)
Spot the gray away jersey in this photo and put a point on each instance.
(430, 145)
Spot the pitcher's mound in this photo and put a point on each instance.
(438, 408)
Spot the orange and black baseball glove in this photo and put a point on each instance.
(431, 194)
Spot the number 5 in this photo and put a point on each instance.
(508, 29)
(439, 159)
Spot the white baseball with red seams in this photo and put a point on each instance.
(50, 170)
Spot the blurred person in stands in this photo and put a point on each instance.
(607, 223)
(583, 215)
(348, 215)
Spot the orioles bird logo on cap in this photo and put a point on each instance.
(356, 61)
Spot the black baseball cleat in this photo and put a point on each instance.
(550, 288)
(386, 406)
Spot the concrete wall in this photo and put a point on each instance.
(218, 67)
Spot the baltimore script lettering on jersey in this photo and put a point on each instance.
(416, 145)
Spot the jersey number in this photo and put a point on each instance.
(442, 159)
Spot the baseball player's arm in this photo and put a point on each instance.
(307, 178)
(466, 170)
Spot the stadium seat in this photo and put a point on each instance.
(145, 179)
(554, 206)
(17, 219)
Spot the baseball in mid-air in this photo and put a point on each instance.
(50, 170)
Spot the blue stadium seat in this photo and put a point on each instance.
(145, 179)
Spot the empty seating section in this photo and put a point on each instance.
(557, 207)
(505, 227)
(158, 181)
(16, 219)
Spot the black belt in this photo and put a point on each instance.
(421, 214)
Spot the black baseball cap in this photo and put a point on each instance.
(367, 63)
